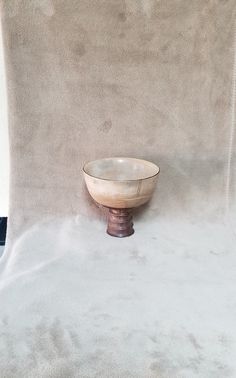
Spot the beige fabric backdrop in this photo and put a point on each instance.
(88, 79)
(143, 78)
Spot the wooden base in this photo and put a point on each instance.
(120, 223)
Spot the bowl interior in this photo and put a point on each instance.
(121, 169)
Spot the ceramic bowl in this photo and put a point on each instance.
(120, 183)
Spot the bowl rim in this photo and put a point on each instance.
(123, 180)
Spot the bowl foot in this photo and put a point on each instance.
(120, 222)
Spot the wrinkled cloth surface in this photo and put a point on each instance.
(148, 79)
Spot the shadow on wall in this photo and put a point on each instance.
(187, 187)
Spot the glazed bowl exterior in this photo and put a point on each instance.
(113, 188)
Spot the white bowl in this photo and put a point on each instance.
(120, 183)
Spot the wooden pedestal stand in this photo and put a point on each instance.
(120, 222)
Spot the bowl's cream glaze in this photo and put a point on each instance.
(120, 182)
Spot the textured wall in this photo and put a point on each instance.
(89, 79)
